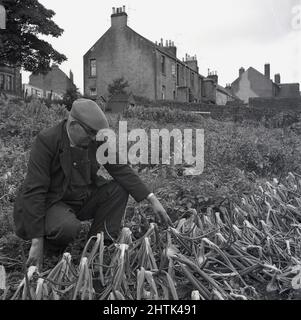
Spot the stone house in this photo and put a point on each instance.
(54, 83)
(252, 84)
(10, 80)
(152, 69)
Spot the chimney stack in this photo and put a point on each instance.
(277, 78)
(119, 17)
(241, 71)
(267, 71)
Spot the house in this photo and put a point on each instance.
(119, 102)
(31, 91)
(53, 84)
(252, 84)
(224, 96)
(10, 80)
(215, 93)
(152, 69)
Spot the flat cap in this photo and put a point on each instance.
(88, 112)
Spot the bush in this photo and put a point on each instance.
(19, 124)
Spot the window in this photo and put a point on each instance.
(93, 91)
(93, 67)
(173, 69)
(178, 75)
(192, 79)
(163, 92)
(2, 81)
(163, 64)
(9, 83)
(174, 94)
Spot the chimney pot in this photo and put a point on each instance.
(119, 18)
(277, 78)
(123, 8)
(267, 71)
(241, 71)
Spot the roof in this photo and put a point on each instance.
(152, 44)
(225, 91)
(255, 70)
(164, 51)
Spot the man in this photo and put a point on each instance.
(62, 187)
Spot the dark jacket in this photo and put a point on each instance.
(48, 176)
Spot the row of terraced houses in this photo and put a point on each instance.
(152, 70)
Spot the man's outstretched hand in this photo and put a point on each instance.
(159, 211)
(35, 257)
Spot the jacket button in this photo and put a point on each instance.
(75, 164)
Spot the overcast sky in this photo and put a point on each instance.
(224, 34)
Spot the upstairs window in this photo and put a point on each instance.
(173, 70)
(163, 64)
(93, 67)
(192, 79)
(178, 75)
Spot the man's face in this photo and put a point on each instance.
(81, 134)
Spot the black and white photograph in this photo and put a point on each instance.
(151, 152)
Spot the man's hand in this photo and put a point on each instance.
(36, 251)
(159, 210)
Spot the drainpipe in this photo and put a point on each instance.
(156, 73)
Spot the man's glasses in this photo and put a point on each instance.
(89, 131)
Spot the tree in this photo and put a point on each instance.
(70, 96)
(20, 44)
(118, 87)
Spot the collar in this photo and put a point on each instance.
(70, 140)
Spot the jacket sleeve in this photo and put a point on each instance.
(129, 180)
(36, 186)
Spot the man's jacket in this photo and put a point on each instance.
(48, 176)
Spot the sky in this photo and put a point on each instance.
(224, 34)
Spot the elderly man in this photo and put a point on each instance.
(62, 187)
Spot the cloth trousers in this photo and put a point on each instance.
(105, 206)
